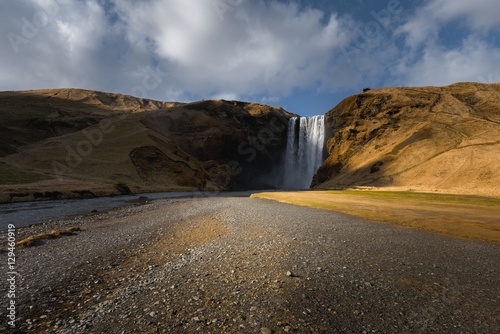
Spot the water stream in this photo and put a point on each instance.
(28, 213)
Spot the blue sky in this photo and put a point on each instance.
(305, 56)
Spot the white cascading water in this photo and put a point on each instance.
(304, 151)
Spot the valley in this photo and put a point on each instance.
(135, 215)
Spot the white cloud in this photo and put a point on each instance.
(477, 15)
(427, 61)
(51, 44)
(260, 49)
(474, 61)
(257, 47)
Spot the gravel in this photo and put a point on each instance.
(240, 265)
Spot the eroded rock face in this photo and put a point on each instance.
(428, 139)
(244, 140)
(68, 138)
(155, 167)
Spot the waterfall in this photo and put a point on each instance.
(304, 151)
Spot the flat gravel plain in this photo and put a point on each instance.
(240, 265)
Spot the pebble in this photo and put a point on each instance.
(265, 330)
(244, 290)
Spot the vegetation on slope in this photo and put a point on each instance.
(426, 139)
(69, 142)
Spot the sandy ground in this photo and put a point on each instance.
(240, 265)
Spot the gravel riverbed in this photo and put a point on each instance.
(240, 265)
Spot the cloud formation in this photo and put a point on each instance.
(252, 48)
(267, 50)
(430, 62)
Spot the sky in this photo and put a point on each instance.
(304, 56)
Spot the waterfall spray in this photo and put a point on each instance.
(304, 151)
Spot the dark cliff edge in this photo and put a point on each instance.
(72, 143)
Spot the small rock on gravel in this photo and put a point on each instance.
(265, 330)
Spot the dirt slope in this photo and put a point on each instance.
(71, 143)
(426, 139)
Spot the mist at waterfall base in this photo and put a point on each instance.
(304, 151)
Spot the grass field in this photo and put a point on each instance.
(12, 175)
(468, 217)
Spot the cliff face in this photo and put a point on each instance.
(427, 139)
(68, 143)
(72, 143)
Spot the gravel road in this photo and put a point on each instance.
(240, 265)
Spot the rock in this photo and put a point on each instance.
(265, 330)
(290, 274)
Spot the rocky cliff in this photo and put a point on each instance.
(426, 139)
(65, 143)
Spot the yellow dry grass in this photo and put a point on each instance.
(462, 216)
(34, 240)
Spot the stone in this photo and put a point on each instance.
(265, 330)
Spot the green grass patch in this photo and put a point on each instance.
(12, 175)
(418, 197)
(471, 217)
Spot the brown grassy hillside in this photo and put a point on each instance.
(64, 143)
(426, 139)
